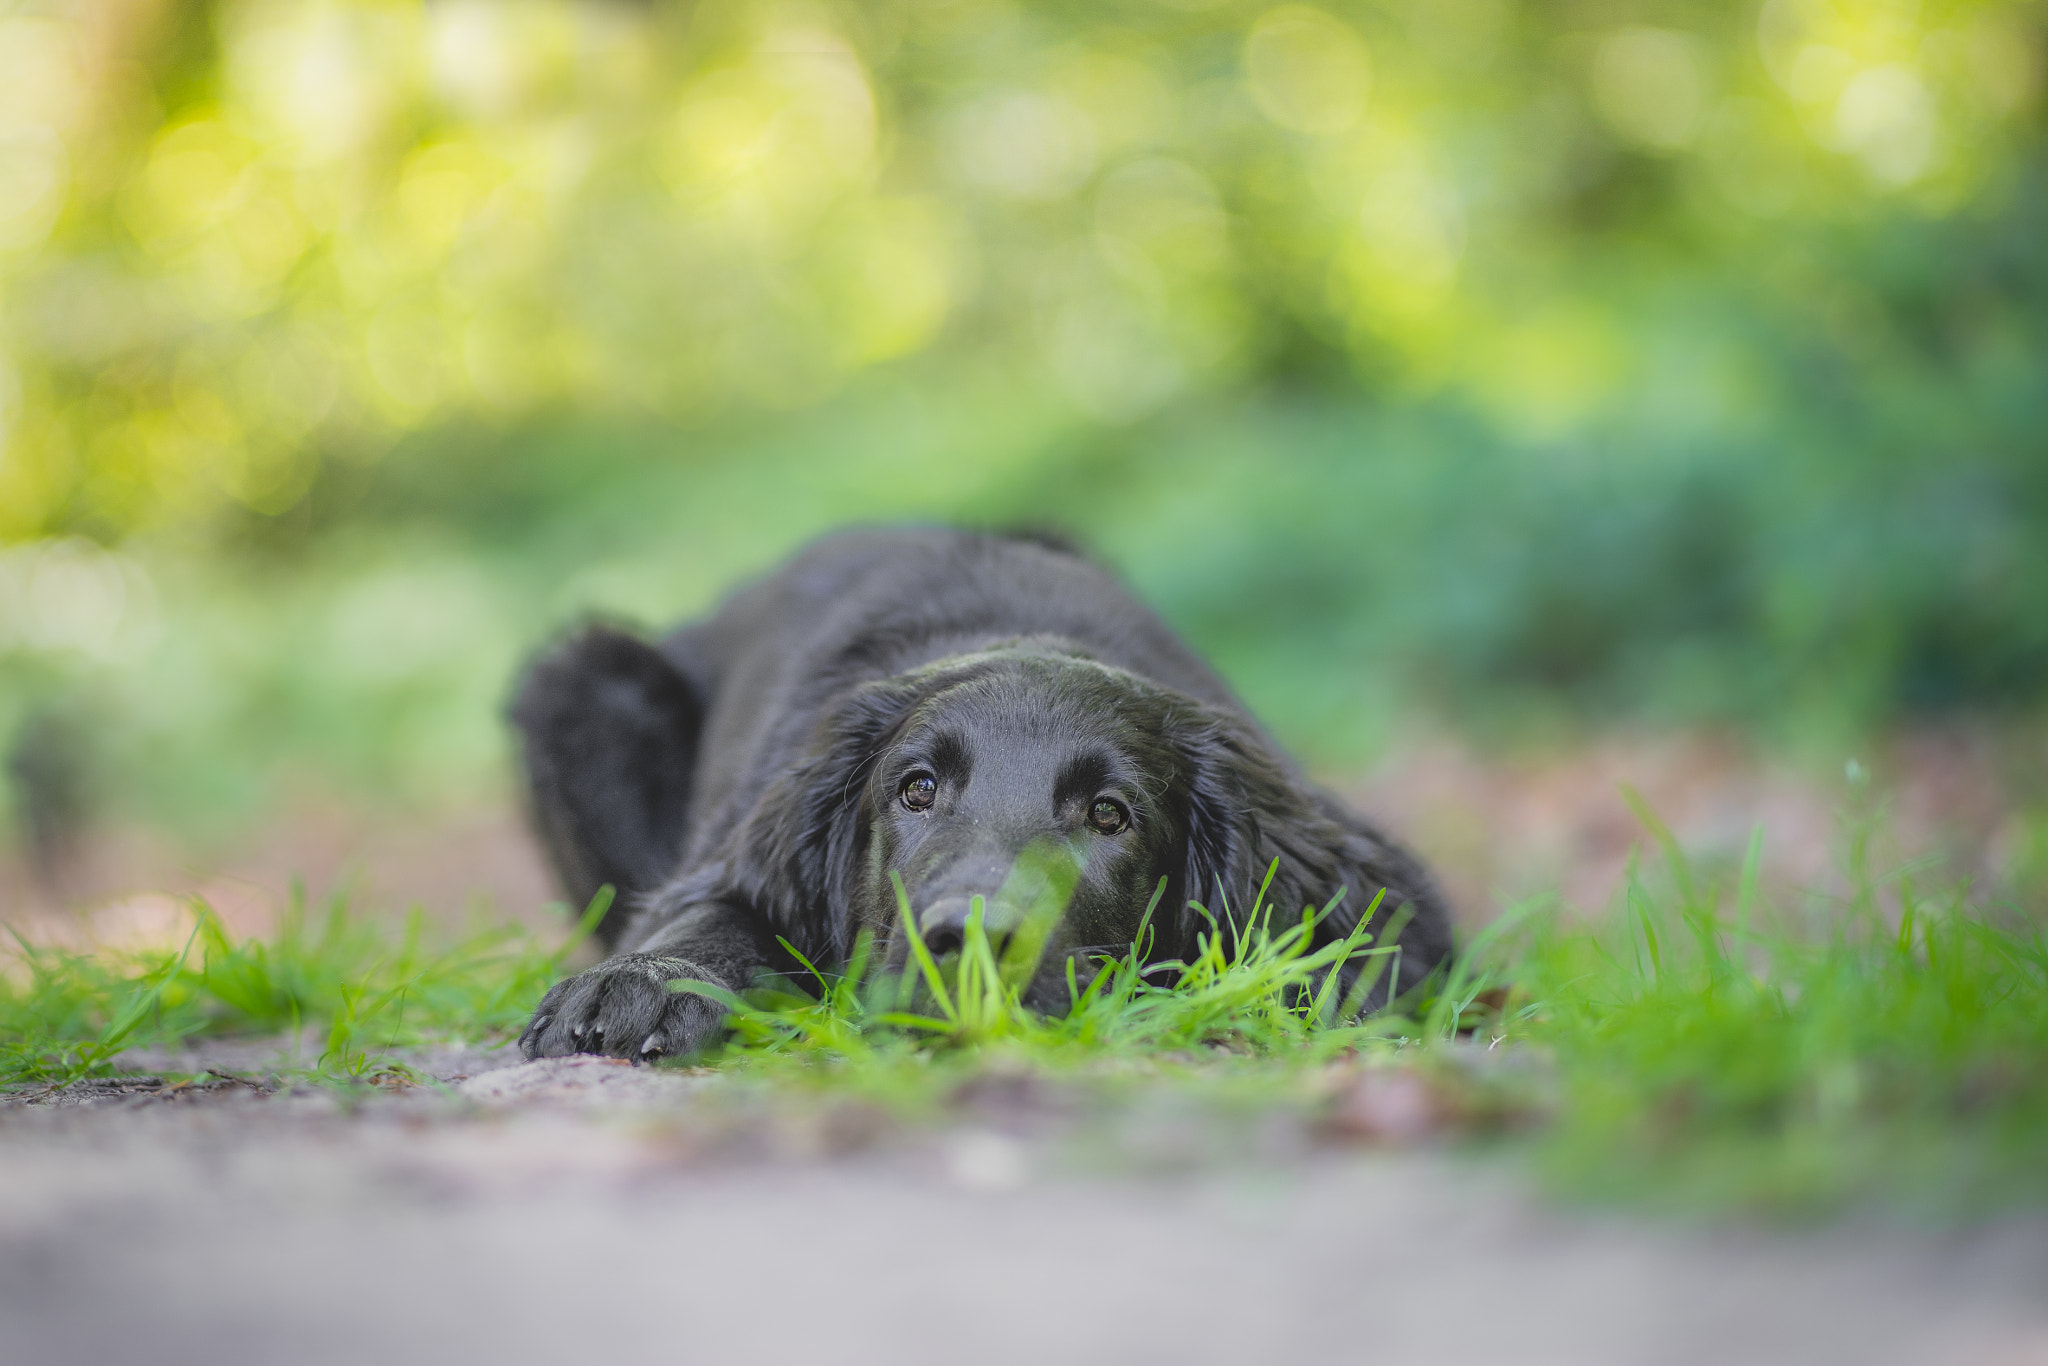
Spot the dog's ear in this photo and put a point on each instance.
(609, 731)
(1247, 808)
(797, 858)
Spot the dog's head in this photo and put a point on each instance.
(1025, 784)
(1005, 781)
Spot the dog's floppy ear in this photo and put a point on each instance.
(796, 859)
(609, 731)
(1246, 807)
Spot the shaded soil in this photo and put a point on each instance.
(586, 1210)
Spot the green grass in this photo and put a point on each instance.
(1266, 991)
(1699, 1050)
(368, 986)
(1890, 1047)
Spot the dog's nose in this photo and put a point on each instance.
(944, 923)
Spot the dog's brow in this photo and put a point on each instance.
(948, 751)
(1080, 775)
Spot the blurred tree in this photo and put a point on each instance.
(1652, 354)
(241, 241)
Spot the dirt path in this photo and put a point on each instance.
(578, 1211)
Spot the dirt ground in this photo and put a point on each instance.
(582, 1210)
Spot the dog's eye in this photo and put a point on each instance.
(920, 790)
(1108, 817)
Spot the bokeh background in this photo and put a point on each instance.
(1518, 398)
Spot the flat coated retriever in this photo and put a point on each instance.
(933, 704)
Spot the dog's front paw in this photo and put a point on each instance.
(623, 1007)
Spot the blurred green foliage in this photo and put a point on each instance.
(1620, 357)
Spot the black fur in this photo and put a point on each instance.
(743, 780)
(611, 739)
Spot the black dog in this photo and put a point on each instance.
(927, 703)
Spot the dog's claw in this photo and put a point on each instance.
(621, 1009)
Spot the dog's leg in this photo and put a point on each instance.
(609, 730)
(624, 1006)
